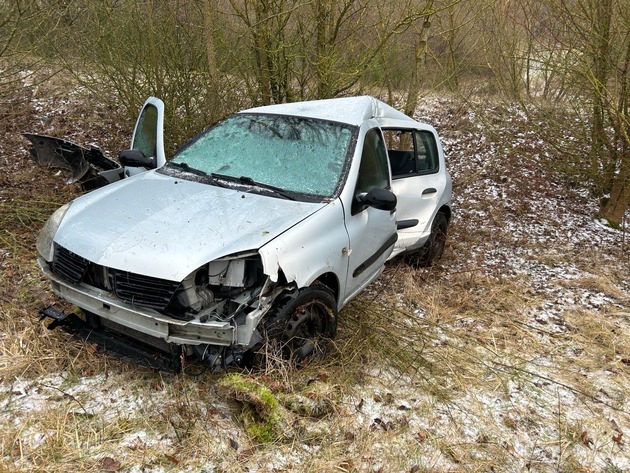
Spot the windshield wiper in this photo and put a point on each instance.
(248, 181)
(187, 168)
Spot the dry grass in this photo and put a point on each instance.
(454, 368)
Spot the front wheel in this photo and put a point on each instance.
(302, 324)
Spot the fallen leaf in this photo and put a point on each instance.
(360, 405)
(136, 444)
(421, 436)
(346, 465)
(16, 451)
(246, 454)
(172, 459)
(585, 440)
(482, 438)
(323, 377)
(618, 437)
(382, 424)
(109, 464)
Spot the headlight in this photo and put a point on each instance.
(45, 239)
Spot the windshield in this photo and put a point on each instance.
(300, 155)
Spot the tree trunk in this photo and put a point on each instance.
(323, 19)
(614, 208)
(261, 51)
(601, 72)
(413, 91)
(209, 17)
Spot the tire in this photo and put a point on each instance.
(433, 249)
(301, 325)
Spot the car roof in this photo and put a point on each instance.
(351, 110)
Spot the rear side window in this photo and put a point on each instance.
(427, 153)
(411, 152)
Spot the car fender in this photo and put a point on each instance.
(315, 246)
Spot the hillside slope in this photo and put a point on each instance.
(511, 354)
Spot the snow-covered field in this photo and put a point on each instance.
(519, 350)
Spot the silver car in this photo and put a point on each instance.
(256, 233)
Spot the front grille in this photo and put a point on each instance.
(142, 290)
(69, 265)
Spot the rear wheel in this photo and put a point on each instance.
(302, 324)
(433, 249)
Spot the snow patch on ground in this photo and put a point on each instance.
(535, 232)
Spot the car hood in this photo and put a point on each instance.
(164, 227)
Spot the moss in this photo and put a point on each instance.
(317, 400)
(261, 414)
(610, 223)
(614, 224)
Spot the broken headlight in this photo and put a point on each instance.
(219, 285)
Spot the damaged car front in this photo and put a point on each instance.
(186, 259)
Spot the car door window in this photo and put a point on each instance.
(411, 152)
(373, 172)
(145, 138)
(402, 155)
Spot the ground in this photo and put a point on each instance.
(511, 354)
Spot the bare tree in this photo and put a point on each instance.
(25, 28)
(602, 30)
(576, 54)
(421, 53)
(128, 51)
(610, 80)
(318, 48)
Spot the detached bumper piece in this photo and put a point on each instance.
(87, 165)
(114, 343)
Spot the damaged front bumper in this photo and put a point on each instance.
(168, 360)
(195, 336)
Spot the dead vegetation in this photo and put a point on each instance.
(512, 354)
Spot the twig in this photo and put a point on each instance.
(67, 395)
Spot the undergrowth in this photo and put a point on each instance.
(475, 364)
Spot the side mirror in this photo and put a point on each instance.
(380, 199)
(135, 158)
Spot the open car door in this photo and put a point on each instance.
(147, 142)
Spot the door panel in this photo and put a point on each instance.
(372, 232)
(148, 135)
(417, 183)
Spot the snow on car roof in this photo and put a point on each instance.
(351, 110)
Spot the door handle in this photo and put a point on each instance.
(430, 190)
